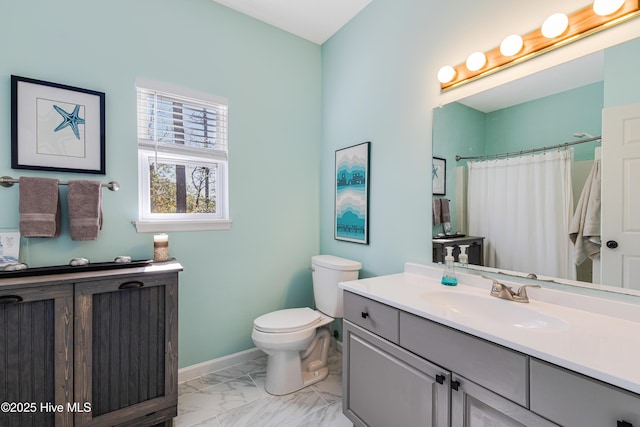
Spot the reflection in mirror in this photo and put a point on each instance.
(519, 208)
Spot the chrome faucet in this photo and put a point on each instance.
(500, 290)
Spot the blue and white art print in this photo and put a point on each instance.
(56, 127)
(9, 247)
(352, 194)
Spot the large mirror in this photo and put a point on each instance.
(526, 231)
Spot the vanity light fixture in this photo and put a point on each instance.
(446, 74)
(476, 61)
(607, 7)
(555, 25)
(557, 31)
(511, 45)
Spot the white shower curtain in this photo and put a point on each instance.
(523, 206)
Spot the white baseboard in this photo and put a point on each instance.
(194, 371)
(204, 368)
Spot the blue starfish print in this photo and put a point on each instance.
(434, 171)
(70, 119)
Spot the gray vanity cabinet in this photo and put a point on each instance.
(475, 406)
(434, 376)
(573, 400)
(388, 386)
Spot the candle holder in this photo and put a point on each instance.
(160, 247)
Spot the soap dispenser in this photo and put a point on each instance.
(463, 258)
(449, 276)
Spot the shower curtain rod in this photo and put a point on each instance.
(533, 150)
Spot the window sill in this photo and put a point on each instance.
(186, 225)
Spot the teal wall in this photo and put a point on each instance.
(548, 121)
(458, 130)
(374, 85)
(272, 81)
(379, 84)
(622, 63)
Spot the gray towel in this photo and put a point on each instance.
(446, 215)
(39, 207)
(85, 209)
(437, 212)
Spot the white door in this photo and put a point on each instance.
(620, 253)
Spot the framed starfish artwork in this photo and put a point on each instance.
(56, 127)
(439, 176)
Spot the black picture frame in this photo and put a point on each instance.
(439, 176)
(56, 127)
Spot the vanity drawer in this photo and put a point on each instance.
(496, 368)
(592, 403)
(375, 317)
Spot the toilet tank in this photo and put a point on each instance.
(327, 272)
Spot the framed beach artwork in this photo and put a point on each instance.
(352, 194)
(9, 247)
(56, 127)
(439, 176)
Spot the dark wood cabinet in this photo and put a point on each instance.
(126, 354)
(103, 346)
(36, 336)
(474, 251)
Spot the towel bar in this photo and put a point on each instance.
(7, 181)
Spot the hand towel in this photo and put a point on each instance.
(584, 231)
(446, 215)
(39, 207)
(437, 212)
(85, 209)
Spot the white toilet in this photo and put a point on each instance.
(294, 339)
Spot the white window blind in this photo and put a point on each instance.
(166, 120)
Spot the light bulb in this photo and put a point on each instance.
(607, 7)
(555, 25)
(511, 45)
(475, 61)
(446, 74)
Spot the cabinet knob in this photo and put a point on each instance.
(440, 379)
(455, 384)
(612, 244)
(365, 314)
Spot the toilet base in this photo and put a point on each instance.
(289, 371)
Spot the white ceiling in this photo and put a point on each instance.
(314, 20)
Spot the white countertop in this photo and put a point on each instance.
(596, 337)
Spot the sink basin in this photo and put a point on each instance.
(494, 310)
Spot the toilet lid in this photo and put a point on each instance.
(289, 320)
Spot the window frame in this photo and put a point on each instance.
(188, 155)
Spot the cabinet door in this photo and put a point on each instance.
(387, 386)
(575, 401)
(36, 359)
(476, 255)
(126, 349)
(475, 406)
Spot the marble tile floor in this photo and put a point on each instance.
(235, 397)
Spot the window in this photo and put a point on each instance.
(183, 161)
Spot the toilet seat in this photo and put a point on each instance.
(288, 320)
